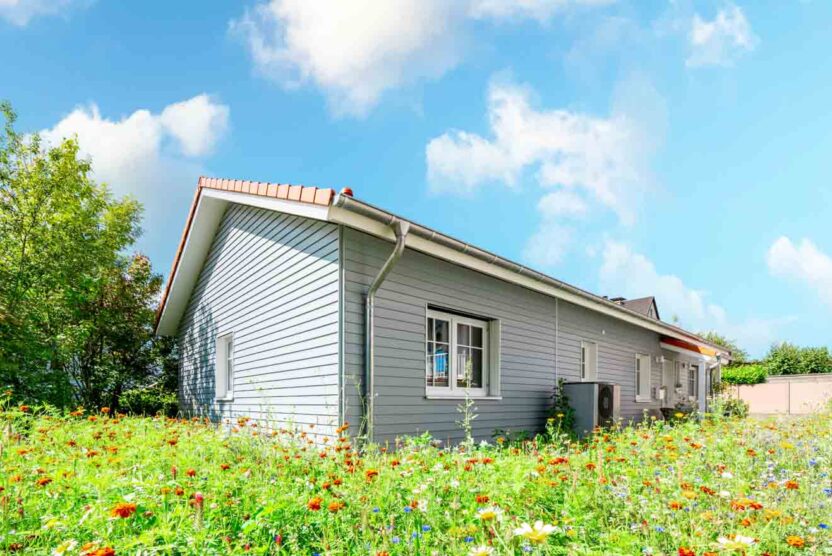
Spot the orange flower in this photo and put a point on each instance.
(590, 466)
(105, 410)
(482, 498)
(123, 510)
(105, 551)
(224, 466)
(685, 551)
(370, 473)
(43, 481)
(795, 541)
(314, 504)
(675, 505)
(336, 506)
(190, 472)
(792, 485)
(25, 408)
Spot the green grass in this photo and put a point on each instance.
(189, 488)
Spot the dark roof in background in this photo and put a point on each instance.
(642, 305)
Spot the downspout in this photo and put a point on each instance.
(401, 228)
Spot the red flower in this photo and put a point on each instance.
(123, 510)
(314, 504)
(370, 474)
(336, 506)
(685, 551)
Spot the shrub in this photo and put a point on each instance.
(151, 400)
(744, 374)
(815, 360)
(734, 407)
(789, 359)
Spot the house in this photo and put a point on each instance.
(278, 294)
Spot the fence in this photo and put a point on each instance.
(787, 394)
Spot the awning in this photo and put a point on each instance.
(681, 345)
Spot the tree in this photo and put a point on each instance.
(75, 312)
(738, 355)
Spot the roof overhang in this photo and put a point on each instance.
(210, 203)
(694, 350)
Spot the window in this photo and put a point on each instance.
(457, 356)
(693, 375)
(589, 361)
(224, 367)
(642, 378)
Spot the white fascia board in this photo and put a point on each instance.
(307, 210)
(363, 223)
(687, 352)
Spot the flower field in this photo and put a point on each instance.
(95, 484)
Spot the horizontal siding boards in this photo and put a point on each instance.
(618, 343)
(528, 342)
(273, 280)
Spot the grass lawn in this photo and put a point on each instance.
(97, 484)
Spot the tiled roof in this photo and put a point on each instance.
(643, 305)
(299, 193)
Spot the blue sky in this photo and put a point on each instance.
(680, 149)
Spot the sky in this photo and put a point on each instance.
(680, 149)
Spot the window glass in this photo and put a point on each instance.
(438, 351)
(456, 352)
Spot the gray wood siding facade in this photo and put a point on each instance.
(540, 342)
(272, 280)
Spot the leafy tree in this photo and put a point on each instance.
(75, 312)
(738, 355)
(788, 359)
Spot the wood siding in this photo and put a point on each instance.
(273, 280)
(540, 340)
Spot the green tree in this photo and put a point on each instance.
(783, 359)
(738, 355)
(75, 312)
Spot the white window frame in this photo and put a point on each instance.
(453, 390)
(224, 367)
(640, 359)
(588, 361)
(693, 381)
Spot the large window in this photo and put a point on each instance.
(642, 378)
(224, 368)
(589, 361)
(457, 359)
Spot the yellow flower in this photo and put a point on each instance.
(536, 534)
(64, 547)
(490, 514)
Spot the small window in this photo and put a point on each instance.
(224, 367)
(457, 355)
(693, 375)
(589, 361)
(643, 378)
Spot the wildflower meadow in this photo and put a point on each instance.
(98, 484)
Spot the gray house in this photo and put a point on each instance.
(293, 304)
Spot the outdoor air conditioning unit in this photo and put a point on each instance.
(596, 404)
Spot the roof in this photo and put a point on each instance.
(213, 195)
(644, 305)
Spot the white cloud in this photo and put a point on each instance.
(154, 157)
(629, 274)
(562, 203)
(803, 263)
(548, 245)
(605, 157)
(721, 41)
(355, 51)
(536, 9)
(21, 12)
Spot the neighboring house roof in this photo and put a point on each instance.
(644, 305)
(213, 195)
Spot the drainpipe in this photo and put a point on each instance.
(401, 229)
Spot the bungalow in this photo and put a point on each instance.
(296, 304)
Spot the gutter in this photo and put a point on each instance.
(401, 229)
(379, 215)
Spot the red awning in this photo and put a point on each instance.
(703, 350)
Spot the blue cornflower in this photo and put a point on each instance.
(415, 535)
(527, 548)
(407, 509)
(827, 491)
(376, 510)
(659, 529)
(425, 528)
(469, 539)
(396, 540)
(823, 526)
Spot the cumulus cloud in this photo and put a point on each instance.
(630, 274)
(602, 157)
(722, 41)
(21, 12)
(156, 157)
(357, 51)
(804, 263)
(354, 51)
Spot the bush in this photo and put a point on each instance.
(744, 374)
(815, 360)
(734, 407)
(789, 359)
(152, 400)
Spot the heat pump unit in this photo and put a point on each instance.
(596, 404)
